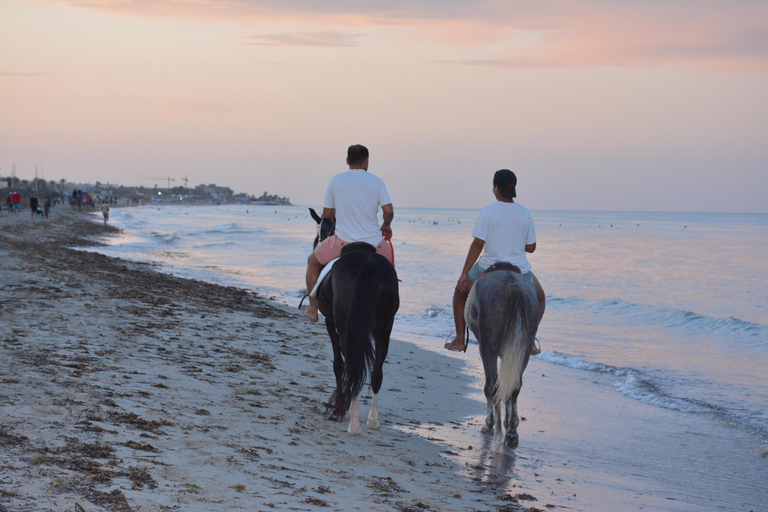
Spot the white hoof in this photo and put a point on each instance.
(373, 424)
(496, 444)
(354, 428)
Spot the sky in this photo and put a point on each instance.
(635, 105)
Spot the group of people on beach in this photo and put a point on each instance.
(36, 208)
(78, 200)
(504, 231)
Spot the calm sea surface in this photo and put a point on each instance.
(672, 307)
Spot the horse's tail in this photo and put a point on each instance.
(515, 344)
(357, 345)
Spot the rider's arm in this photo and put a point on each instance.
(388, 213)
(329, 213)
(530, 247)
(475, 249)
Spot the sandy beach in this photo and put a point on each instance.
(127, 389)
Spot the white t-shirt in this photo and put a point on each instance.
(506, 229)
(356, 195)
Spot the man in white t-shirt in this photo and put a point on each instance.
(353, 199)
(503, 232)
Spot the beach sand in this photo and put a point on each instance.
(124, 388)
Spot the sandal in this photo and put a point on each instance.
(448, 345)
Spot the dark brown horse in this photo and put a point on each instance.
(358, 298)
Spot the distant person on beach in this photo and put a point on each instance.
(16, 202)
(353, 198)
(503, 232)
(47, 207)
(33, 204)
(105, 211)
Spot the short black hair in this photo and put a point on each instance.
(356, 154)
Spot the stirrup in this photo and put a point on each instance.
(536, 348)
(302, 301)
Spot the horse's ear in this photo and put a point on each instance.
(314, 215)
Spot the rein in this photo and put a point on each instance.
(392, 248)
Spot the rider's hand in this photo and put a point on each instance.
(464, 283)
(387, 232)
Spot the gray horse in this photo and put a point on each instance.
(503, 313)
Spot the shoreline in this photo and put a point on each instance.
(129, 389)
(174, 393)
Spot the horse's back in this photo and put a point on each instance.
(351, 264)
(490, 299)
(347, 274)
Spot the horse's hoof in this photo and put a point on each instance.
(354, 428)
(373, 425)
(511, 441)
(487, 429)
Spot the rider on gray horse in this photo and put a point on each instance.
(504, 232)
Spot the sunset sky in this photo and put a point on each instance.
(596, 105)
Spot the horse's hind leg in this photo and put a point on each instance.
(384, 323)
(511, 421)
(354, 418)
(490, 386)
(491, 376)
(488, 427)
(338, 359)
(373, 417)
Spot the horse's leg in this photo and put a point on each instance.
(488, 427)
(512, 420)
(491, 375)
(354, 417)
(382, 331)
(494, 421)
(373, 416)
(338, 360)
(498, 428)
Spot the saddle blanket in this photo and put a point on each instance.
(323, 275)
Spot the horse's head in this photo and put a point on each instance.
(325, 227)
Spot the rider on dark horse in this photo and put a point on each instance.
(353, 199)
(504, 232)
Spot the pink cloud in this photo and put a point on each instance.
(708, 35)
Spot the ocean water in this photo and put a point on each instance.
(671, 307)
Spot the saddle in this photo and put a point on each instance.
(357, 246)
(500, 265)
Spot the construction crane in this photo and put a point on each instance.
(185, 180)
(168, 178)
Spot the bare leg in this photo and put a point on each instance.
(459, 301)
(313, 272)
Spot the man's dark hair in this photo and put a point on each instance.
(356, 154)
